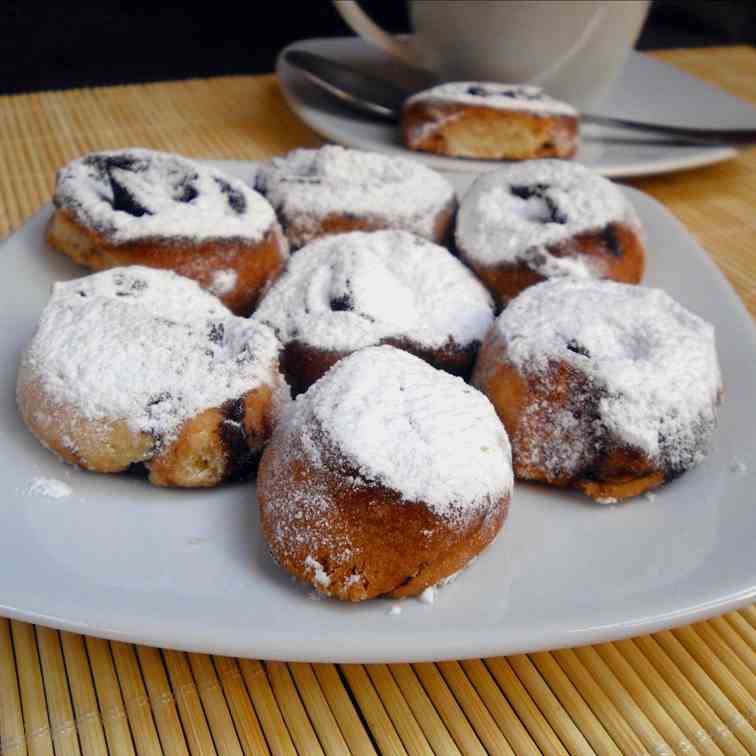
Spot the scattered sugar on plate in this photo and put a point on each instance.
(738, 466)
(395, 610)
(52, 488)
(428, 596)
(650, 496)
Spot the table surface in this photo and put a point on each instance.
(689, 690)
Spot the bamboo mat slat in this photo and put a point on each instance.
(448, 707)
(247, 725)
(573, 704)
(526, 709)
(12, 732)
(107, 686)
(548, 706)
(59, 707)
(399, 711)
(320, 714)
(746, 637)
(91, 734)
(299, 725)
(267, 708)
(162, 702)
(137, 704)
(196, 729)
(39, 737)
(438, 736)
(381, 727)
(690, 690)
(499, 707)
(344, 712)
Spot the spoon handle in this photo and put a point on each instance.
(713, 136)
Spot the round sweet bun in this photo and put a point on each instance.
(386, 477)
(334, 189)
(527, 222)
(137, 366)
(604, 387)
(490, 121)
(141, 207)
(358, 289)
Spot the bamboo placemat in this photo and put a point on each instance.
(691, 690)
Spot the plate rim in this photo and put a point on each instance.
(353, 651)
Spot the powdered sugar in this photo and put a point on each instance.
(739, 467)
(651, 369)
(428, 596)
(137, 194)
(407, 426)
(307, 186)
(436, 118)
(518, 97)
(51, 488)
(320, 576)
(514, 214)
(146, 346)
(353, 290)
(222, 282)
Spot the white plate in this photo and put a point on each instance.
(188, 569)
(647, 90)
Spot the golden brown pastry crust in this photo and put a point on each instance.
(303, 363)
(616, 472)
(255, 264)
(341, 223)
(617, 251)
(219, 444)
(334, 190)
(478, 131)
(396, 548)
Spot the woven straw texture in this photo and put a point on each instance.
(690, 690)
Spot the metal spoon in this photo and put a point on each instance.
(378, 97)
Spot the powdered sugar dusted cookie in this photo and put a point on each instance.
(540, 219)
(334, 189)
(489, 120)
(386, 477)
(137, 365)
(349, 291)
(605, 387)
(141, 207)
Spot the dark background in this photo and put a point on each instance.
(51, 47)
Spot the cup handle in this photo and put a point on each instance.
(361, 23)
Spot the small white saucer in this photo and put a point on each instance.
(646, 90)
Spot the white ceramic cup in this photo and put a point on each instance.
(574, 49)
